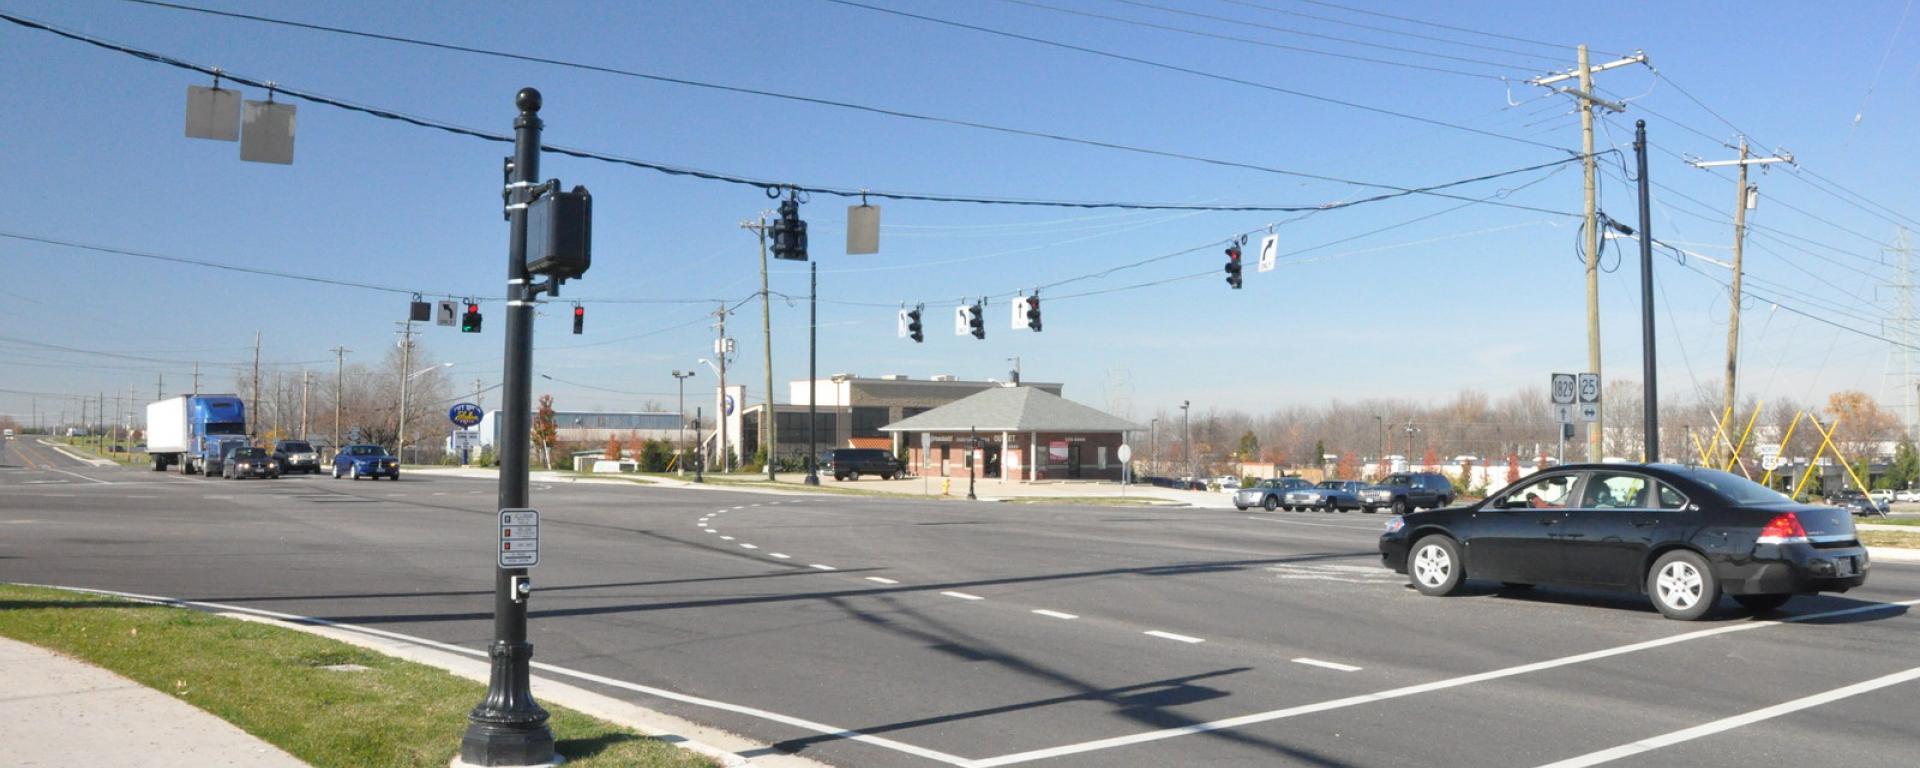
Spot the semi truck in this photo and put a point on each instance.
(189, 430)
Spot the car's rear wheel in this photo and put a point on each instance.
(1435, 566)
(1270, 504)
(1682, 586)
(1762, 603)
(886, 476)
(853, 476)
(1399, 506)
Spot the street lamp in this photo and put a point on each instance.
(1380, 446)
(973, 460)
(680, 466)
(1186, 439)
(1411, 431)
(401, 448)
(1153, 448)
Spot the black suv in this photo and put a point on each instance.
(1404, 492)
(851, 463)
(296, 456)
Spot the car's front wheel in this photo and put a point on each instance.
(1435, 566)
(1269, 504)
(1762, 603)
(354, 472)
(853, 476)
(1682, 586)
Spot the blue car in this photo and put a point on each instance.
(358, 461)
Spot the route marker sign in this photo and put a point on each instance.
(1563, 389)
(1589, 388)
(519, 538)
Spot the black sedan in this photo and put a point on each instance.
(249, 462)
(1681, 535)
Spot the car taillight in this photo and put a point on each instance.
(1782, 529)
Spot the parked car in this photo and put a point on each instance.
(1906, 496)
(249, 461)
(1327, 496)
(1681, 535)
(1859, 503)
(296, 456)
(851, 463)
(1267, 494)
(1405, 492)
(358, 461)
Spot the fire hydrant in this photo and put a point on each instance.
(946, 484)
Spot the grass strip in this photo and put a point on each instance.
(270, 682)
(1890, 539)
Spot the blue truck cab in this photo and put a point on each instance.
(217, 423)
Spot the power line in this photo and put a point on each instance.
(1809, 315)
(1467, 30)
(1387, 30)
(1269, 44)
(763, 184)
(1195, 72)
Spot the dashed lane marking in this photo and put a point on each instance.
(748, 546)
(881, 580)
(726, 538)
(1172, 636)
(1054, 614)
(963, 596)
(779, 555)
(820, 567)
(1326, 664)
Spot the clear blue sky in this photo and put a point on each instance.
(1484, 297)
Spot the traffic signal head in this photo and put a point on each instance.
(789, 233)
(913, 326)
(1233, 266)
(976, 321)
(470, 322)
(777, 235)
(579, 319)
(1033, 313)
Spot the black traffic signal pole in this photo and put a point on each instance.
(1650, 399)
(813, 375)
(508, 727)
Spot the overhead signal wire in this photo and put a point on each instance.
(1196, 72)
(1388, 30)
(1804, 313)
(1282, 46)
(763, 184)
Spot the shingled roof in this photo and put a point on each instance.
(1013, 409)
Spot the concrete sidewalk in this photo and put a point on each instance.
(60, 711)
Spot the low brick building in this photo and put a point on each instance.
(1023, 432)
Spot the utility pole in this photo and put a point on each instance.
(813, 373)
(406, 369)
(306, 392)
(1186, 441)
(196, 379)
(1910, 412)
(339, 379)
(160, 386)
(1744, 198)
(1584, 72)
(254, 423)
(720, 351)
(767, 433)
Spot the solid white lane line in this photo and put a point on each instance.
(1395, 693)
(1054, 614)
(1730, 723)
(822, 567)
(778, 555)
(1326, 664)
(726, 538)
(963, 595)
(881, 580)
(1172, 636)
(811, 725)
(748, 546)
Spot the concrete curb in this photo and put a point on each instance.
(91, 462)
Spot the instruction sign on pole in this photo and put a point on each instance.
(519, 538)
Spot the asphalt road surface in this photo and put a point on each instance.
(868, 632)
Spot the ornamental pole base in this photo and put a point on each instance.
(508, 728)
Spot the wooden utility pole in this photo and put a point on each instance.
(1744, 198)
(767, 433)
(1584, 95)
(253, 424)
(306, 392)
(339, 368)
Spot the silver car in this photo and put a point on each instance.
(1328, 496)
(1267, 493)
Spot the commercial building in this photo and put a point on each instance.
(853, 411)
(1021, 432)
(592, 428)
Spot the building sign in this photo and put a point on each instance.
(1057, 450)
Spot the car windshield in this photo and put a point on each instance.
(366, 450)
(296, 447)
(1397, 480)
(249, 453)
(1737, 489)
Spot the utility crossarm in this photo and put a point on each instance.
(1614, 106)
(1778, 158)
(1638, 57)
